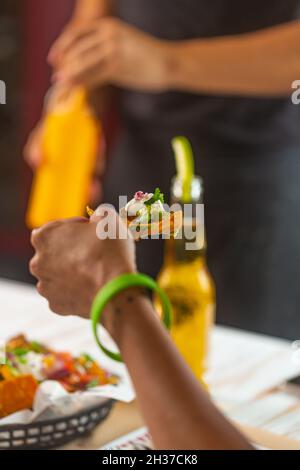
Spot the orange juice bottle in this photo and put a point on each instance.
(70, 142)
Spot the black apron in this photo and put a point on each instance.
(248, 153)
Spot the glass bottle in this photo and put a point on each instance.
(186, 280)
(70, 143)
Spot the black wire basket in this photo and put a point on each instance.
(54, 432)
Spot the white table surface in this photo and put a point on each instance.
(244, 367)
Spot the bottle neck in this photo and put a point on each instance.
(188, 248)
(190, 244)
(175, 253)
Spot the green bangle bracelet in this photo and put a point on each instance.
(114, 287)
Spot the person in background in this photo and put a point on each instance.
(219, 73)
(72, 265)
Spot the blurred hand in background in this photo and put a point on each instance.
(111, 51)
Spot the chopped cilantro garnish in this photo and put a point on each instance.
(22, 360)
(36, 347)
(20, 351)
(87, 357)
(93, 383)
(157, 196)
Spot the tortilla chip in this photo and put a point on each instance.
(89, 211)
(17, 394)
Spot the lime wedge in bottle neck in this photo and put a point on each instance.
(185, 166)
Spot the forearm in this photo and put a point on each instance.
(86, 10)
(176, 408)
(260, 63)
